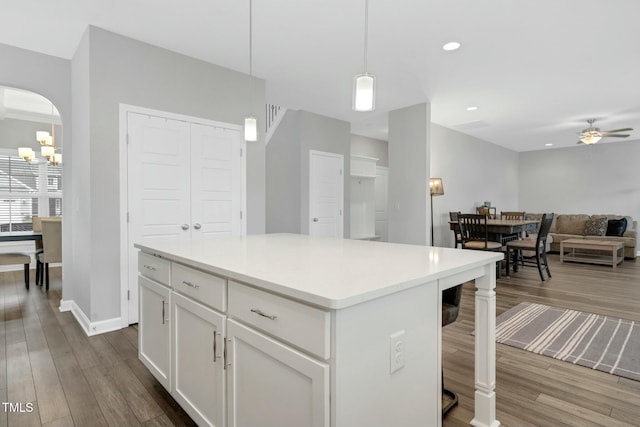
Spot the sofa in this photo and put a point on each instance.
(581, 226)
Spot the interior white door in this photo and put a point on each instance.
(216, 208)
(326, 189)
(158, 187)
(381, 190)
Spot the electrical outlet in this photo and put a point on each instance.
(396, 351)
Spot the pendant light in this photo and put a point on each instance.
(364, 85)
(250, 122)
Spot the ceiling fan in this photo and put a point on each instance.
(592, 134)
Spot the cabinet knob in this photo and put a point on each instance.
(185, 227)
(197, 226)
(315, 219)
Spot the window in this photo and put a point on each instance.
(27, 189)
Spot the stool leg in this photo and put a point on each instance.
(26, 275)
(46, 267)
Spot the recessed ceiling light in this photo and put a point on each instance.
(548, 144)
(472, 108)
(451, 46)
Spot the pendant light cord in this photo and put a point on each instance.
(366, 32)
(250, 38)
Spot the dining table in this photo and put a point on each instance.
(500, 229)
(16, 236)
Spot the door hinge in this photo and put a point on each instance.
(127, 216)
(127, 139)
(240, 214)
(340, 171)
(241, 152)
(128, 295)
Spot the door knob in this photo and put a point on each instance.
(315, 219)
(197, 226)
(185, 227)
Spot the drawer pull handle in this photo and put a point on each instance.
(261, 313)
(149, 267)
(191, 285)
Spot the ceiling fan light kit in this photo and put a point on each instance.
(592, 134)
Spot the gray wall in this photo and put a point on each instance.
(122, 70)
(16, 133)
(370, 147)
(409, 149)
(288, 160)
(591, 179)
(283, 176)
(472, 171)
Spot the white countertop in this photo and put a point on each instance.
(330, 272)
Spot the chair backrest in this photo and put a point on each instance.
(512, 215)
(473, 227)
(482, 210)
(543, 231)
(37, 227)
(451, 304)
(52, 240)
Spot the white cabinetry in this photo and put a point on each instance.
(382, 191)
(363, 209)
(198, 363)
(154, 330)
(271, 384)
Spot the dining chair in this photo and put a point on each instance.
(13, 258)
(474, 234)
(51, 245)
(450, 308)
(537, 247)
(512, 215)
(453, 216)
(37, 227)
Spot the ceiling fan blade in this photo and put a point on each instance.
(615, 136)
(605, 132)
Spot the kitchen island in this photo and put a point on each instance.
(296, 330)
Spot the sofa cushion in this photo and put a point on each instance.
(616, 227)
(571, 224)
(595, 226)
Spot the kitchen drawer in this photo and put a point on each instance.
(299, 324)
(154, 267)
(202, 287)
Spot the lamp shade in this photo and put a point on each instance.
(250, 129)
(41, 136)
(47, 151)
(435, 187)
(364, 87)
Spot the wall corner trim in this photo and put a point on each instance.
(90, 328)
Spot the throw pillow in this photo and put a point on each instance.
(616, 227)
(595, 226)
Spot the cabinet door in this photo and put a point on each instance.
(197, 362)
(270, 384)
(154, 329)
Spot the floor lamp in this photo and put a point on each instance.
(435, 189)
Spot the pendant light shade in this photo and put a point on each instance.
(364, 89)
(250, 129)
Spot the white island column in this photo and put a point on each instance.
(485, 351)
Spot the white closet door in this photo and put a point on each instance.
(216, 194)
(158, 187)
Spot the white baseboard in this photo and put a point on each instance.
(90, 328)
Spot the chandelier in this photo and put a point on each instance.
(47, 146)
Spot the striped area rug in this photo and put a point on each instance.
(598, 342)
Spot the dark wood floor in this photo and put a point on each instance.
(72, 379)
(535, 390)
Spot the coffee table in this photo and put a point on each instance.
(607, 251)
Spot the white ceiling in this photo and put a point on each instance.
(536, 69)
